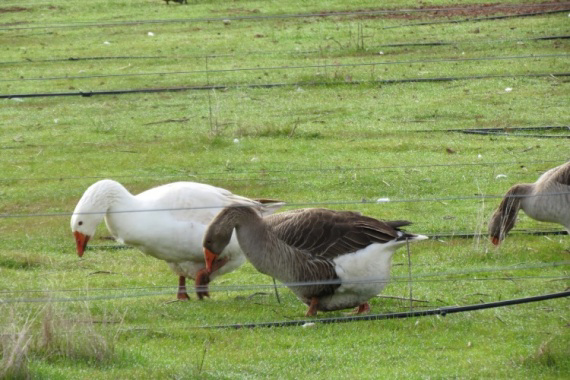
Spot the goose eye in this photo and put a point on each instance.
(80, 223)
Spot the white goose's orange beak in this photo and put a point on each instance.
(81, 241)
(210, 258)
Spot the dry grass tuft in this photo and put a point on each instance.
(77, 337)
(55, 333)
(14, 346)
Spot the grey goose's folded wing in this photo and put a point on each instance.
(329, 233)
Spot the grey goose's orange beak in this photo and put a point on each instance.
(495, 240)
(81, 241)
(210, 258)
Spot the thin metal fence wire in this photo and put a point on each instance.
(440, 235)
(285, 204)
(404, 279)
(89, 24)
(285, 68)
(266, 287)
(288, 170)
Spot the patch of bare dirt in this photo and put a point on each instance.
(13, 9)
(466, 11)
(237, 11)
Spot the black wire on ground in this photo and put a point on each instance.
(293, 52)
(443, 311)
(506, 131)
(279, 85)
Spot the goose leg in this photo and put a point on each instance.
(202, 281)
(182, 295)
(362, 308)
(203, 278)
(312, 307)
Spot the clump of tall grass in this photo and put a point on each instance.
(53, 333)
(14, 346)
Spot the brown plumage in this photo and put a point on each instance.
(330, 259)
(547, 200)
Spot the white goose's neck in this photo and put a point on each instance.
(105, 194)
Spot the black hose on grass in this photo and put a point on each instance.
(262, 52)
(276, 85)
(507, 131)
(443, 311)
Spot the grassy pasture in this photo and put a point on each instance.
(336, 134)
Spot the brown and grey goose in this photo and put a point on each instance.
(340, 258)
(547, 200)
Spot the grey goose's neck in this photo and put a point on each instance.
(264, 249)
(514, 197)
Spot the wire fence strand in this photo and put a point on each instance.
(300, 67)
(285, 204)
(289, 170)
(437, 277)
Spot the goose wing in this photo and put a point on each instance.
(198, 201)
(329, 233)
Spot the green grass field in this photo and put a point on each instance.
(336, 110)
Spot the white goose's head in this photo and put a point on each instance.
(91, 210)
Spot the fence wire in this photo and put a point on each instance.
(151, 291)
(301, 67)
(323, 169)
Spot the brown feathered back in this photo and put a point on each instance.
(330, 233)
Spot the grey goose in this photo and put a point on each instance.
(340, 258)
(547, 200)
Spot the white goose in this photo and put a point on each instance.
(547, 200)
(166, 222)
(342, 258)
